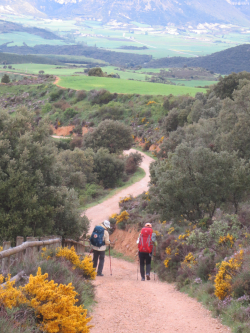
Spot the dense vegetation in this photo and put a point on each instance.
(234, 59)
(198, 200)
(115, 58)
(11, 58)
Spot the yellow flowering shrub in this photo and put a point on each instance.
(170, 230)
(55, 305)
(157, 233)
(151, 102)
(227, 240)
(166, 262)
(189, 260)
(168, 250)
(143, 120)
(124, 216)
(126, 199)
(227, 270)
(113, 216)
(1, 248)
(160, 140)
(9, 295)
(86, 265)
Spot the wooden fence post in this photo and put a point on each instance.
(19, 241)
(32, 251)
(6, 261)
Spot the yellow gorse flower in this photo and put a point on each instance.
(228, 239)
(225, 274)
(151, 102)
(189, 260)
(166, 262)
(126, 199)
(86, 265)
(170, 230)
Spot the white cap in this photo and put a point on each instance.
(106, 223)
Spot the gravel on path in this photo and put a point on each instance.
(128, 305)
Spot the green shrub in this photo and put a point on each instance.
(96, 71)
(69, 113)
(133, 161)
(54, 95)
(113, 135)
(109, 167)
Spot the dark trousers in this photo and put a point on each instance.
(145, 257)
(98, 255)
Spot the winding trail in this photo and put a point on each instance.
(128, 305)
(105, 209)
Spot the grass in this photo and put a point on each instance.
(137, 176)
(229, 315)
(121, 86)
(118, 255)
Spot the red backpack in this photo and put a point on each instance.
(145, 241)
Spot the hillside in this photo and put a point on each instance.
(8, 27)
(8, 58)
(153, 12)
(234, 59)
(116, 58)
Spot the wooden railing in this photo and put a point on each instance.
(33, 246)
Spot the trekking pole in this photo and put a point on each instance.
(110, 261)
(137, 266)
(153, 263)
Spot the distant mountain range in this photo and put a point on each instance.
(155, 12)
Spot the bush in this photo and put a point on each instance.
(96, 71)
(113, 135)
(70, 113)
(54, 95)
(80, 95)
(132, 162)
(5, 79)
(109, 167)
(100, 96)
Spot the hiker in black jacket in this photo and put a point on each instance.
(146, 242)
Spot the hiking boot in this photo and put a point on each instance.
(148, 277)
(143, 279)
(100, 274)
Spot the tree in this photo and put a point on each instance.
(96, 71)
(76, 167)
(228, 84)
(33, 200)
(109, 167)
(5, 79)
(110, 134)
(41, 72)
(196, 181)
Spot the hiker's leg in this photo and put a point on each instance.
(142, 259)
(148, 263)
(95, 258)
(101, 262)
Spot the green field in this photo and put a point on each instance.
(18, 38)
(160, 43)
(125, 86)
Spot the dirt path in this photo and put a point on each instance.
(102, 211)
(128, 305)
(125, 305)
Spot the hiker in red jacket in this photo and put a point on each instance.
(146, 242)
